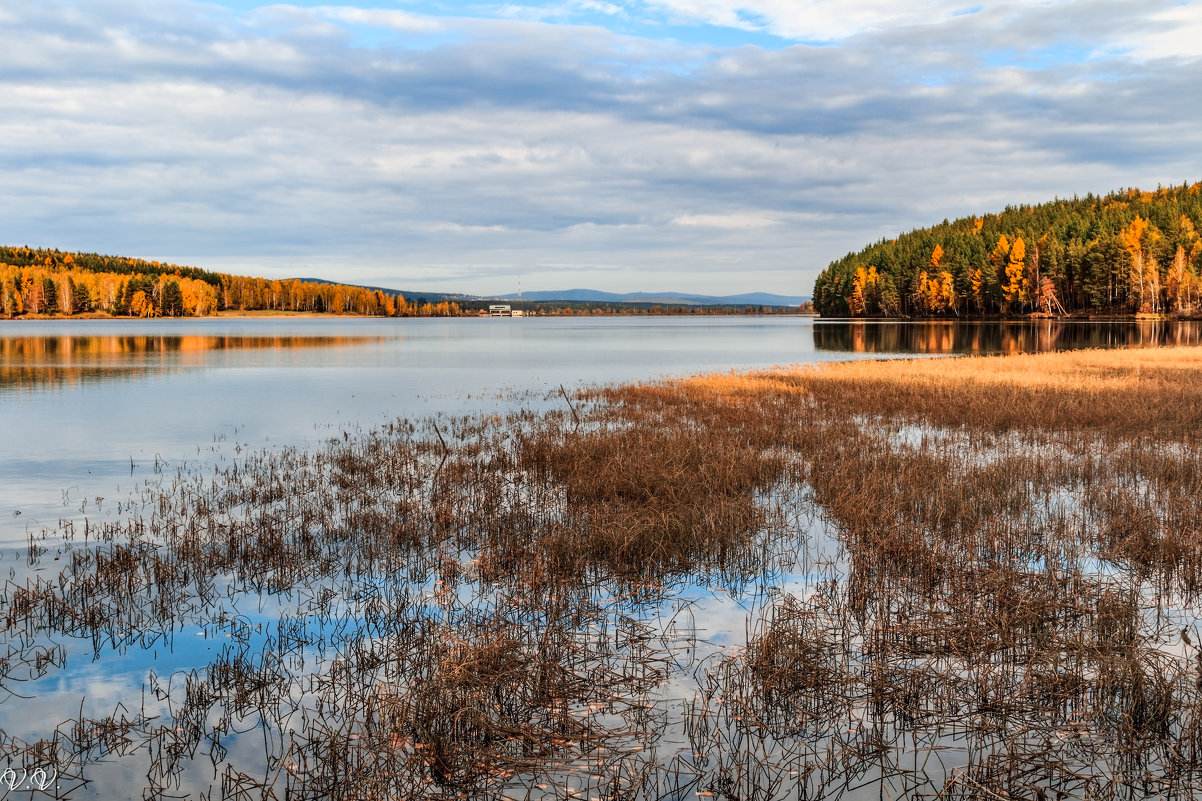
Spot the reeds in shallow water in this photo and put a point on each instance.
(525, 605)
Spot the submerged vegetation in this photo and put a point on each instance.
(1127, 252)
(968, 578)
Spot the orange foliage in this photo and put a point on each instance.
(22, 292)
(865, 292)
(1014, 290)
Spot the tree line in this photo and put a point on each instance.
(51, 282)
(1130, 251)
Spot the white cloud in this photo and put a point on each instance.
(1173, 32)
(816, 19)
(733, 220)
(1172, 28)
(383, 18)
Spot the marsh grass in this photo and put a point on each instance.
(512, 605)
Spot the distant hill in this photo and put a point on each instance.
(433, 297)
(664, 298)
(1127, 252)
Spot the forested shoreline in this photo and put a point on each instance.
(1128, 252)
(35, 282)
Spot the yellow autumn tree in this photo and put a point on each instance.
(940, 291)
(338, 300)
(140, 305)
(10, 295)
(947, 291)
(865, 292)
(935, 294)
(1014, 288)
(976, 283)
(200, 297)
(1188, 232)
(856, 302)
(1143, 274)
(1180, 284)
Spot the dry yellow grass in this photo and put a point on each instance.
(1116, 390)
(1092, 370)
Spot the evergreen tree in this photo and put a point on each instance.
(80, 296)
(49, 296)
(172, 303)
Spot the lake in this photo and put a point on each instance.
(90, 397)
(94, 412)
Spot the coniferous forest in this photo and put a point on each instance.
(1128, 252)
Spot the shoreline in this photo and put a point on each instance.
(277, 314)
(241, 315)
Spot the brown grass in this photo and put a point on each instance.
(484, 606)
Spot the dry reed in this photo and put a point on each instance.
(499, 606)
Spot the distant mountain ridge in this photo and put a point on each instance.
(597, 296)
(665, 298)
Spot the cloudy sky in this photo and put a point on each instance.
(714, 146)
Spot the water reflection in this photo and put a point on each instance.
(1034, 336)
(27, 362)
(668, 345)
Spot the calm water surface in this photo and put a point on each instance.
(94, 395)
(85, 403)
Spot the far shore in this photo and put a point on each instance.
(265, 313)
(790, 312)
